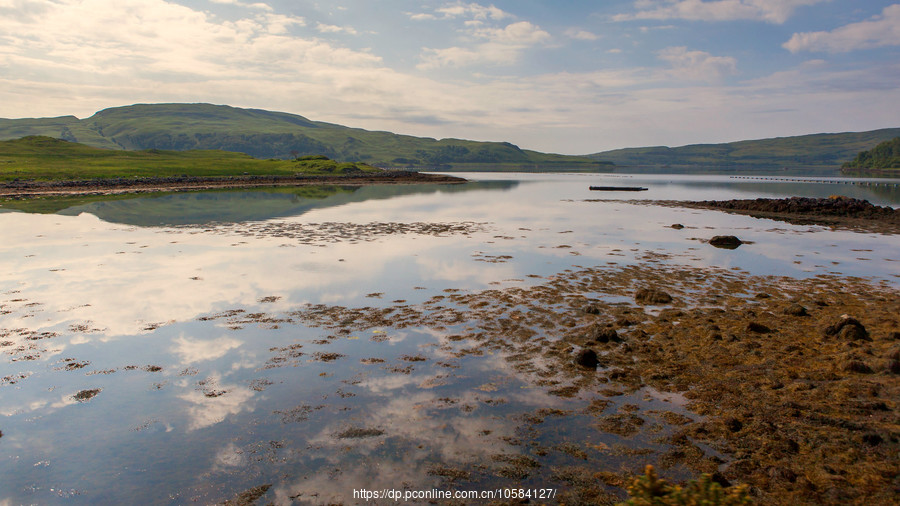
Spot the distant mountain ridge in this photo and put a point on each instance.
(827, 150)
(268, 134)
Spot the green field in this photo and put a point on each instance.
(47, 158)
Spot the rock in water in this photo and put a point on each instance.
(587, 358)
(591, 309)
(857, 366)
(652, 296)
(725, 241)
(848, 329)
(759, 328)
(603, 334)
(796, 310)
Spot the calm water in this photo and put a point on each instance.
(171, 316)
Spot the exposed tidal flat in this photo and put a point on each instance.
(294, 347)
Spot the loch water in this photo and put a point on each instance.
(151, 352)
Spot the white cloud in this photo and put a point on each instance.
(579, 34)
(475, 14)
(239, 3)
(22, 10)
(771, 11)
(92, 41)
(279, 24)
(453, 57)
(697, 65)
(649, 29)
(323, 28)
(880, 31)
(421, 16)
(472, 10)
(519, 34)
(500, 46)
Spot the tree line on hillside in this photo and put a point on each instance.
(883, 156)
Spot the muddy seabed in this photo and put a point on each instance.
(789, 385)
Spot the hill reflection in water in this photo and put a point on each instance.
(235, 206)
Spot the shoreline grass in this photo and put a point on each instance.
(49, 159)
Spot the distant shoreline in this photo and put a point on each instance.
(23, 189)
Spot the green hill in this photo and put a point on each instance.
(817, 151)
(48, 158)
(267, 134)
(883, 157)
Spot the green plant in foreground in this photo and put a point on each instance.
(651, 490)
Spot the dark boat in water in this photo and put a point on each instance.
(618, 188)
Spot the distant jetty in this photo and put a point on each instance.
(618, 188)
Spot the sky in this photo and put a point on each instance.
(572, 77)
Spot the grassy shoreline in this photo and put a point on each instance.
(43, 166)
(48, 159)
